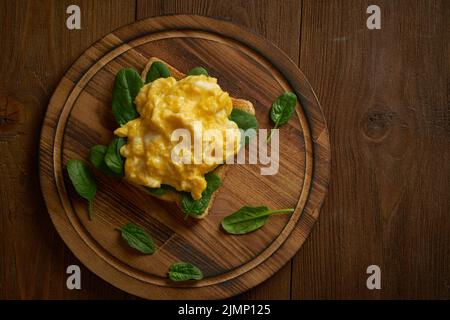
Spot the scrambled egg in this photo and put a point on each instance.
(165, 105)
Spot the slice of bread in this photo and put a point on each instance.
(242, 104)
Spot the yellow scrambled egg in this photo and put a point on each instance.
(165, 105)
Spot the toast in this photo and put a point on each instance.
(220, 171)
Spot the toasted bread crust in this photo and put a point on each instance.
(242, 104)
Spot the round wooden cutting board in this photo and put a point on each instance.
(79, 116)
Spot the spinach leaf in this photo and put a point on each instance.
(97, 158)
(157, 70)
(126, 88)
(83, 181)
(244, 121)
(182, 271)
(248, 219)
(282, 110)
(156, 191)
(162, 190)
(113, 159)
(197, 207)
(198, 71)
(137, 238)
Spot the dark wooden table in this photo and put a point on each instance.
(386, 97)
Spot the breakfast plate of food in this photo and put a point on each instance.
(183, 157)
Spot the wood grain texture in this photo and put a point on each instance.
(37, 49)
(334, 47)
(79, 116)
(277, 23)
(385, 94)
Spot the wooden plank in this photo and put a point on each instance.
(37, 49)
(385, 96)
(277, 23)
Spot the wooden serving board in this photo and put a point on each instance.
(79, 116)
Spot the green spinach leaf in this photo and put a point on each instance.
(97, 159)
(162, 190)
(157, 70)
(282, 110)
(137, 238)
(126, 88)
(113, 159)
(197, 207)
(183, 271)
(248, 219)
(83, 181)
(156, 191)
(198, 71)
(244, 121)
